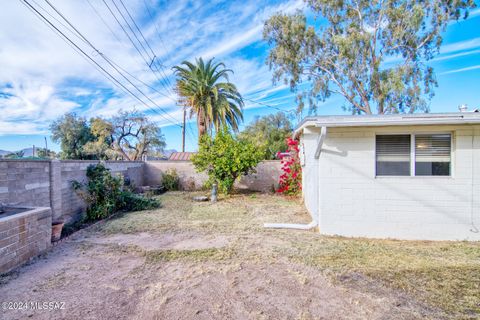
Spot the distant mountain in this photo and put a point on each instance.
(27, 152)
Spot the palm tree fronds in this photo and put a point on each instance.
(216, 104)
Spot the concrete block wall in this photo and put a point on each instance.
(23, 236)
(72, 206)
(25, 182)
(189, 178)
(352, 201)
(264, 180)
(49, 183)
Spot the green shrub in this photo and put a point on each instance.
(130, 201)
(225, 158)
(171, 180)
(105, 194)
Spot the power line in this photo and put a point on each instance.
(144, 39)
(113, 64)
(146, 60)
(155, 25)
(126, 33)
(71, 43)
(159, 35)
(104, 22)
(114, 34)
(267, 105)
(80, 36)
(129, 27)
(107, 25)
(190, 133)
(53, 17)
(136, 26)
(78, 49)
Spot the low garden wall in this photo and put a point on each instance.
(23, 236)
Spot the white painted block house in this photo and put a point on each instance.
(414, 176)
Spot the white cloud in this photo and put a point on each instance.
(460, 45)
(461, 70)
(456, 55)
(33, 101)
(235, 42)
(474, 13)
(20, 127)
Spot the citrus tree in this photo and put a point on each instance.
(225, 158)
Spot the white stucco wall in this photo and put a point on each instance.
(352, 201)
(308, 144)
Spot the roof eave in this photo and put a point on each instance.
(398, 123)
(404, 122)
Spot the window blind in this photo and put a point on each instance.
(432, 148)
(432, 154)
(393, 155)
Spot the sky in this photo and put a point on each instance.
(42, 77)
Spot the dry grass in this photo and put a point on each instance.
(444, 276)
(195, 255)
(233, 213)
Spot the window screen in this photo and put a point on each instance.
(393, 155)
(432, 154)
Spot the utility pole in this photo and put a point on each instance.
(33, 151)
(46, 148)
(183, 129)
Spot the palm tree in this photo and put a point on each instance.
(215, 103)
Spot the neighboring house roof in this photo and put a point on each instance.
(390, 120)
(181, 156)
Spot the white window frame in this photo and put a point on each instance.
(412, 154)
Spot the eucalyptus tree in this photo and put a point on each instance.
(205, 89)
(373, 53)
(73, 133)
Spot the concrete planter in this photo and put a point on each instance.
(23, 235)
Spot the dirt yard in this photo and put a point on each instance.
(192, 260)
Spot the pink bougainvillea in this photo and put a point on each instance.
(291, 179)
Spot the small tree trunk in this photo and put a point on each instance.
(201, 124)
